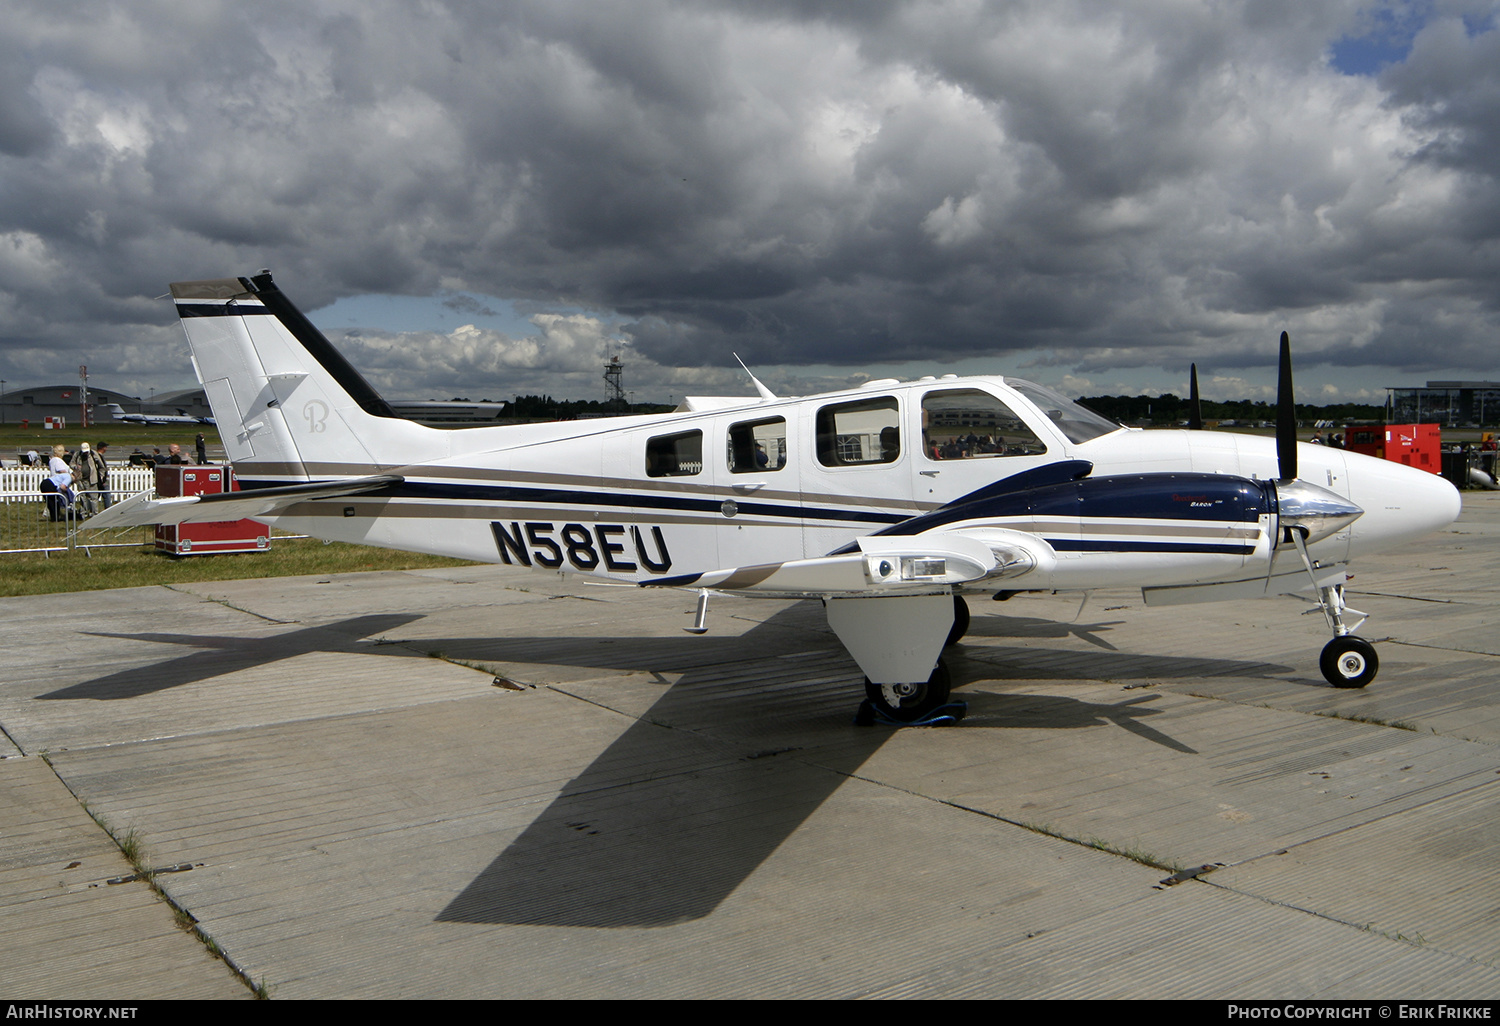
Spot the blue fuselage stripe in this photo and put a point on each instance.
(221, 310)
(1094, 545)
(511, 495)
(997, 511)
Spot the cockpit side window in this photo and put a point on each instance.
(678, 455)
(859, 433)
(966, 423)
(1078, 423)
(757, 446)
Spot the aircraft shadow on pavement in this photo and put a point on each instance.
(699, 791)
(1055, 712)
(972, 662)
(217, 655)
(666, 823)
(1001, 626)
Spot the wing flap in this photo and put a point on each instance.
(882, 566)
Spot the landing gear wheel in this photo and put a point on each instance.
(960, 621)
(1349, 662)
(909, 702)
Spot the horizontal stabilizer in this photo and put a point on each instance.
(139, 510)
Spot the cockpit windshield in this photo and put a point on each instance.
(1077, 422)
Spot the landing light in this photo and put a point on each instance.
(917, 568)
(907, 568)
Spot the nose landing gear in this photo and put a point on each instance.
(1349, 662)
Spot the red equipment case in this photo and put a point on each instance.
(1416, 445)
(214, 536)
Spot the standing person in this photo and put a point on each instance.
(202, 449)
(86, 467)
(106, 497)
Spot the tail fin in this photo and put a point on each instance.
(286, 402)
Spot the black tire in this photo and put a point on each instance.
(913, 701)
(960, 621)
(1349, 662)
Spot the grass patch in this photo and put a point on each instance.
(121, 436)
(133, 847)
(1334, 714)
(1140, 855)
(31, 573)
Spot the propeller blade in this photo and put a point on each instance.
(1195, 408)
(1286, 415)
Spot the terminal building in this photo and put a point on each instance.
(1449, 403)
(67, 403)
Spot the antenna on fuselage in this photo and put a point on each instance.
(765, 393)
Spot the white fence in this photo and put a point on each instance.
(24, 484)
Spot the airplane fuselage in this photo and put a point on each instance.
(639, 498)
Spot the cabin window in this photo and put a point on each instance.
(675, 455)
(757, 446)
(859, 433)
(964, 424)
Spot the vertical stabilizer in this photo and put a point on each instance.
(288, 406)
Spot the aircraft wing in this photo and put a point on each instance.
(918, 555)
(883, 566)
(139, 510)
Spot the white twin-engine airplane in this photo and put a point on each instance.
(889, 502)
(154, 419)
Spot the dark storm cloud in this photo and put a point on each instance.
(798, 182)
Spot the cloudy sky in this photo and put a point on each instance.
(488, 198)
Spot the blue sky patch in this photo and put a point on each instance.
(1387, 39)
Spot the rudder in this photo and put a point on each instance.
(289, 407)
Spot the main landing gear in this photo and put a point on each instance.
(897, 641)
(907, 703)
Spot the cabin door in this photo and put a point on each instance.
(756, 485)
(856, 470)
